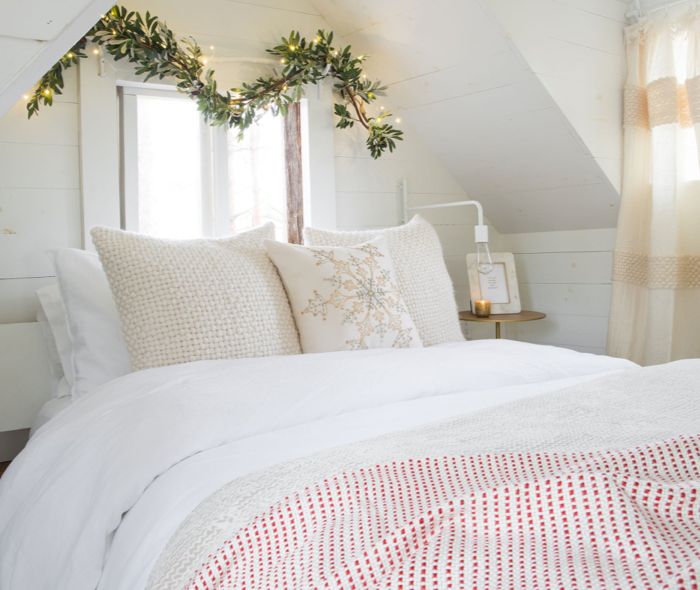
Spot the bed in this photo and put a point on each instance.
(349, 469)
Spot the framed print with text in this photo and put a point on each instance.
(500, 286)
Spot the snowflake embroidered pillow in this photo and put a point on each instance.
(344, 298)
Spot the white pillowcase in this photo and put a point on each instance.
(98, 349)
(190, 300)
(420, 270)
(58, 337)
(344, 298)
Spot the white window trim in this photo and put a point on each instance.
(100, 150)
(215, 204)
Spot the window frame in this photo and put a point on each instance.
(214, 163)
(99, 150)
(214, 166)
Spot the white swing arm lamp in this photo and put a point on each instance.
(484, 261)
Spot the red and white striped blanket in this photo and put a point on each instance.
(604, 519)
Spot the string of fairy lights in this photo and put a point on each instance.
(147, 42)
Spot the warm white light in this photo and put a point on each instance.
(397, 120)
(47, 92)
(381, 108)
(69, 55)
(26, 97)
(211, 48)
(96, 51)
(283, 61)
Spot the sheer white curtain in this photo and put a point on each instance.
(655, 315)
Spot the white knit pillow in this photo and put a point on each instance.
(183, 301)
(344, 298)
(420, 270)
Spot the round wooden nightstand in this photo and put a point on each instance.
(499, 318)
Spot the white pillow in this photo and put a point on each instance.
(420, 270)
(98, 350)
(183, 301)
(344, 298)
(58, 339)
(55, 369)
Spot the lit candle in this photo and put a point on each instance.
(482, 308)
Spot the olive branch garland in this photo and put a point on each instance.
(147, 41)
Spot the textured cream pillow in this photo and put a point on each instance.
(182, 301)
(421, 272)
(344, 298)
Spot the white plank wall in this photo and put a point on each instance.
(39, 198)
(566, 275)
(576, 49)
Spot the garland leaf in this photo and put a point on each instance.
(147, 42)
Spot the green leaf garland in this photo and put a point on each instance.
(147, 42)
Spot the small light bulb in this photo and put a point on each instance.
(292, 48)
(397, 120)
(335, 54)
(283, 61)
(317, 39)
(381, 108)
(364, 76)
(360, 57)
(47, 92)
(379, 119)
(26, 97)
(69, 55)
(211, 48)
(96, 51)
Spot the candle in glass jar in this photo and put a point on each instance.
(482, 308)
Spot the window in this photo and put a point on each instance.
(182, 178)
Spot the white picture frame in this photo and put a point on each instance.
(500, 286)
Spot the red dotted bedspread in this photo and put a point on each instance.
(613, 519)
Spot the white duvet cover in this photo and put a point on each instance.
(100, 489)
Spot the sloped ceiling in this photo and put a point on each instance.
(33, 35)
(458, 79)
(472, 78)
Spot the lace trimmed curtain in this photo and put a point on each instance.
(655, 314)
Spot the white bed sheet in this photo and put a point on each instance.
(49, 410)
(153, 444)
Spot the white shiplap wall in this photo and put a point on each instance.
(567, 275)
(39, 198)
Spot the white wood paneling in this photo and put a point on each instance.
(43, 22)
(562, 330)
(227, 19)
(482, 104)
(567, 275)
(34, 221)
(18, 302)
(57, 125)
(38, 166)
(24, 367)
(40, 205)
(565, 267)
(62, 23)
(576, 49)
